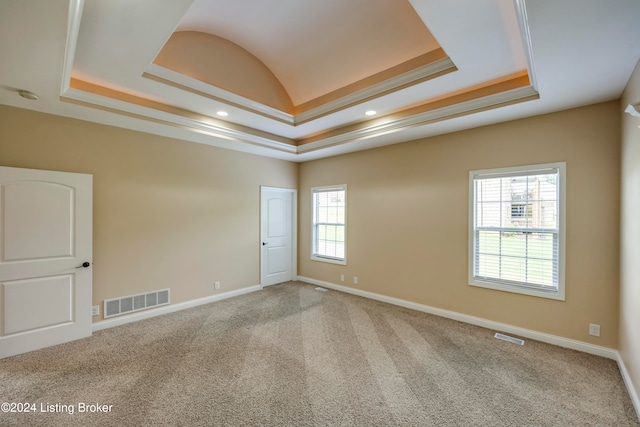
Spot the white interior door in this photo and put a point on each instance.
(45, 258)
(277, 219)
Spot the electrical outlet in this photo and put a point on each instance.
(594, 329)
(342, 277)
(95, 310)
(216, 285)
(355, 280)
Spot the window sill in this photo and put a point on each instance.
(555, 295)
(329, 260)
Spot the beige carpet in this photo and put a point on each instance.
(292, 355)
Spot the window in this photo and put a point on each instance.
(516, 232)
(329, 224)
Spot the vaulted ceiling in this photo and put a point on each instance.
(294, 78)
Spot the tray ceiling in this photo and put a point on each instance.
(295, 77)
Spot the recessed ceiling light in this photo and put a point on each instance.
(371, 113)
(27, 95)
(222, 113)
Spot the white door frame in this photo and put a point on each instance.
(294, 231)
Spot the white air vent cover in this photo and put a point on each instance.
(131, 303)
(507, 338)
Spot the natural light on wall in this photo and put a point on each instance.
(516, 231)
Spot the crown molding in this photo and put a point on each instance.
(525, 36)
(176, 120)
(219, 129)
(380, 127)
(418, 75)
(415, 76)
(172, 78)
(73, 30)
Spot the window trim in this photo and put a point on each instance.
(314, 257)
(558, 294)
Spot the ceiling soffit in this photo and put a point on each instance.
(195, 72)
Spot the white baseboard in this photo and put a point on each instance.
(635, 399)
(478, 321)
(147, 314)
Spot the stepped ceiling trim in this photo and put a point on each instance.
(504, 91)
(429, 66)
(498, 60)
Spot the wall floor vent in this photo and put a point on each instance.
(509, 339)
(132, 303)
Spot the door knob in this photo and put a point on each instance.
(84, 265)
(264, 243)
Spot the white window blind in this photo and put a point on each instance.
(516, 229)
(329, 224)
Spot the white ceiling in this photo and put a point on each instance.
(314, 47)
(577, 52)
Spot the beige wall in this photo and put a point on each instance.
(407, 214)
(181, 215)
(630, 235)
(167, 214)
